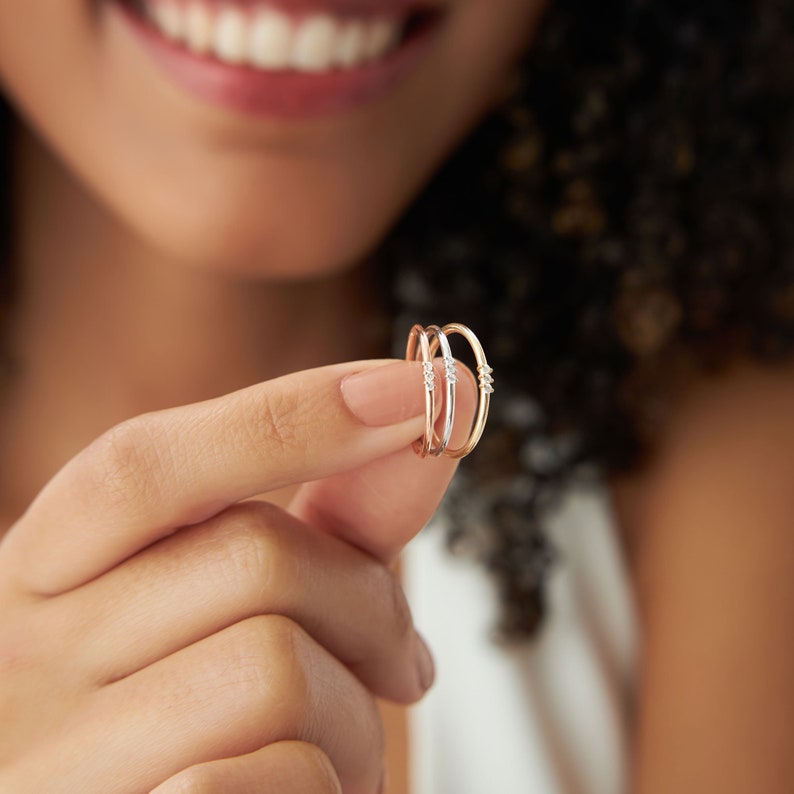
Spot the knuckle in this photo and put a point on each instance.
(127, 463)
(272, 657)
(191, 781)
(18, 649)
(319, 770)
(253, 551)
(397, 604)
(277, 419)
(274, 425)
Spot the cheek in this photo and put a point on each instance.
(48, 61)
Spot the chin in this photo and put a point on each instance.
(285, 223)
(267, 248)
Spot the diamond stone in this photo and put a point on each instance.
(450, 372)
(430, 375)
(485, 378)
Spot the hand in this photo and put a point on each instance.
(155, 628)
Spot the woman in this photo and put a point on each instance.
(189, 206)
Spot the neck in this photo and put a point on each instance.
(106, 327)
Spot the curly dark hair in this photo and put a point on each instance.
(623, 220)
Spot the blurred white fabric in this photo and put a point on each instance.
(550, 717)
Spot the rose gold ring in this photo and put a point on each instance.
(419, 345)
(427, 341)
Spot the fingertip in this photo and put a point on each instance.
(382, 505)
(425, 665)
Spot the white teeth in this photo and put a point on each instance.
(314, 46)
(230, 36)
(269, 39)
(167, 16)
(198, 27)
(350, 44)
(270, 45)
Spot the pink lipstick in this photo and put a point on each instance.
(284, 58)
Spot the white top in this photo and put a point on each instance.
(549, 717)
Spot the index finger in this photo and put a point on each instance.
(155, 473)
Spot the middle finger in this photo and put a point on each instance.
(258, 682)
(251, 560)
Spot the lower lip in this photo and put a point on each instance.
(285, 94)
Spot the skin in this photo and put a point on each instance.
(707, 526)
(252, 183)
(178, 570)
(253, 624)
(190, 562)
(234, 195)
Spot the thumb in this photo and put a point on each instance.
(381, 505)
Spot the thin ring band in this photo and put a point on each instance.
(420, 342)
(418, 338)
(485, 383)
(437, 339)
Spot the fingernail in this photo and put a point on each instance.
(424, 664)
(385, 395)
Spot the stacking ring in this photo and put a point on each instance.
(426, 342)
(438, 339)
(419, 343)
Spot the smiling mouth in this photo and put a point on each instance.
(271, 38)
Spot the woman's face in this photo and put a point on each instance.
(258, 136)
